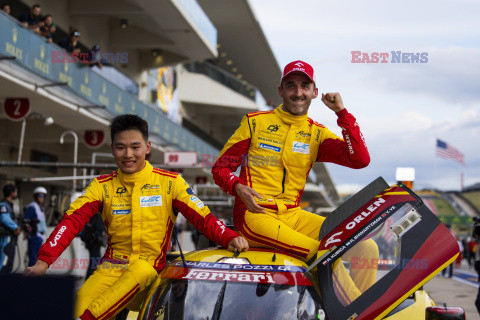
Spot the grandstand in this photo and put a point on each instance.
(452, 208)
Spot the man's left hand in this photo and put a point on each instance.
(238, 244)
(333, 101)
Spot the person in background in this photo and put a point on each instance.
(31, 19)
(35, 221)
(476, 257)
(6, 8)
(48, 27)
(71, 44)
(458, 261)
(9, 230)
(94, 57)
(471, 246)
(449, 268)
(94, 237)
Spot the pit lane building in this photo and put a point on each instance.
(192, 69)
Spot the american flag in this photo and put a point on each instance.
(444, 150)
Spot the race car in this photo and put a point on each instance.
(409, 245)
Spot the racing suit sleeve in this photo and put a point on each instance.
(195, 211)
(351, 151)
(73, 221)
(231, 157)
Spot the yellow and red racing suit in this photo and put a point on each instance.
(276, 151)
(139, 211)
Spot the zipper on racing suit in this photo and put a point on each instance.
(283, 180)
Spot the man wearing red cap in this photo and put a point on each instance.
(276, 151)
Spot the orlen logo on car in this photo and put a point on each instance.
(151, 201)
(57, 236)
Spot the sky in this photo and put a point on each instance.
(402, 108)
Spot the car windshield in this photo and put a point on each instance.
(375, 256)
(215, 300)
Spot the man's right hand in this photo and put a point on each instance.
(39, 269)
(247, 195)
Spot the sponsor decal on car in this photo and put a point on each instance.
(245, 267)
(287, 278)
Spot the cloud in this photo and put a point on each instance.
(369, 18)
(412, 144)
(451, 74)
(401, 108)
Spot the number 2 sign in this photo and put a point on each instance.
(16, 108)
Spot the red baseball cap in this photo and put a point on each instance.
(298, 66)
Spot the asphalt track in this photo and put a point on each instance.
(460, 290)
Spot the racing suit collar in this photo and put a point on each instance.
(289, 118)
(137, 177)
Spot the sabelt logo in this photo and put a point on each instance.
(151, 201)
(58, 236)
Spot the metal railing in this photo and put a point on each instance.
(200, 19)
(21, 47)
(225, 78)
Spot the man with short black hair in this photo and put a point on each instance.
(31, 19)
(48, 27)
(139, 205)
(9, 230)
(276, 151)
(5, 8)
(71, 44)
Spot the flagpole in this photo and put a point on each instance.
(461, 181)
(435, 164)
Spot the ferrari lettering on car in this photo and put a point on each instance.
(200, 274)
